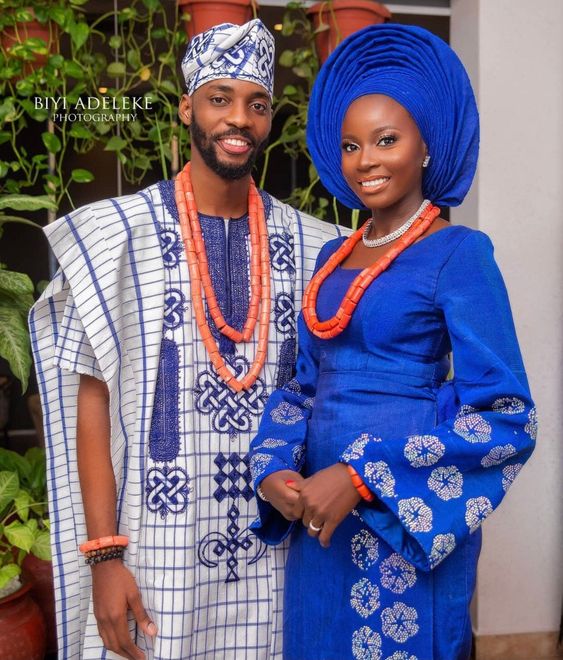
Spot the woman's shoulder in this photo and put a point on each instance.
(462, 239)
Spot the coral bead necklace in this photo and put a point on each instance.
(260, 299)
(335, 325)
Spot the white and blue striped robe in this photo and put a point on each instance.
(119, 309)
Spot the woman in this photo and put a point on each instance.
(390, 468)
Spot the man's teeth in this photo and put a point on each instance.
(374, 182)
(236, 143)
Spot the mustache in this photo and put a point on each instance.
(237, 132)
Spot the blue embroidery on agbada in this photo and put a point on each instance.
(167, 490)
(231, 413)
(164, 436)
(233, 480)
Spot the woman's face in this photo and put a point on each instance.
(382, 153)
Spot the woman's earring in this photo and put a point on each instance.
(426, 161)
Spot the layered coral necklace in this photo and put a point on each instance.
(200, 279)
(335, 325)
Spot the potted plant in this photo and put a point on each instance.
(28, 33)
(334, 20)
(24, 531)
(200, 15)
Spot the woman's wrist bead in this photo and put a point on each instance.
(359, 485)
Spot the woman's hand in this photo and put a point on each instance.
(115, 591)
(327, 498)
(285, 498)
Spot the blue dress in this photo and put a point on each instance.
(438, 455)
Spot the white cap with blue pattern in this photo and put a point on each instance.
(243, 52)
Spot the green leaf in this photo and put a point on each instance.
(289, 90)
(158, 33)
(11, 461)
(79, 33)
(73, 70)
(7, 573)
(151, 5)
(170, 87)
(115, 143)
(79, 131)
(14, 344)
(286, 58)
(60, 16)
(27, 202)
(134, 59)
(81, 176)
(116, 69)
(9, 488)
(115, 41)
(303, 71)
(57, 61)
(78, 3)
(42, 546)
(8, 110)
(19, 535)
(52, 142)
(16, 284)
(25, 87)
(22, 502)
(38, 46)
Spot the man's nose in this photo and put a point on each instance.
(239, 115)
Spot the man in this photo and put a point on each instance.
(146, 438)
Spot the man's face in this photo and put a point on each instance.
(230, 122)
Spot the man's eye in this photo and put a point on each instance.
(218, 100)
(259, 107)
(386, 140)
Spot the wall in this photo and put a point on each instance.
(513, 50)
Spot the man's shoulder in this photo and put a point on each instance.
(112, 211)
(308, 225)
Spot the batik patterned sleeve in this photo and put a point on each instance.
(73, 351)
(280, 442)
(433, 490)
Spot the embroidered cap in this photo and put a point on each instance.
(244, 52)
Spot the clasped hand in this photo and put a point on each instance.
(321, 501)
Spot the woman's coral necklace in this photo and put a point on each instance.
(260, 299)
(335, 325)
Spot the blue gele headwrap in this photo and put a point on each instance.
(422, 73)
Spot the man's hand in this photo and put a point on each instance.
(284, 497)
(115, 591)
(327, 498)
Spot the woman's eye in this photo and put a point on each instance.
(386, 140)
(348, 147)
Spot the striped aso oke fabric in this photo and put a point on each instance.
(119, 310)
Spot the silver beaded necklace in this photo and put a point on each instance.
(377, 242)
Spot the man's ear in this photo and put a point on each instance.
(185, 109)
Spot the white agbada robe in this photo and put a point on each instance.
(119, 309)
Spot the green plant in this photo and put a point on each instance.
(24, 525)
(16, 291)
(304, 63)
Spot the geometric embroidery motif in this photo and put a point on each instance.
(284, 312)
(231, 412)
(281, 252)
(233, 480)
(233, 477)
(174, 307)
(167, 490)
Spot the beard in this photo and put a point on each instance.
(205, 144)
